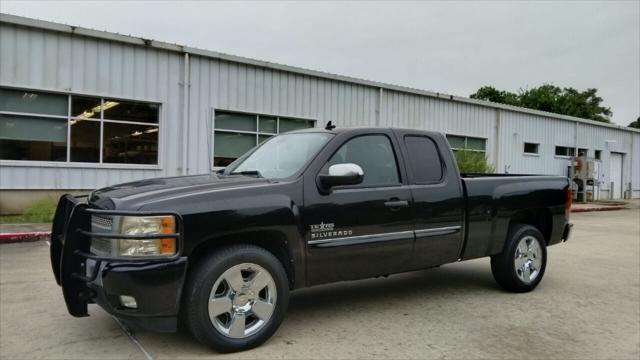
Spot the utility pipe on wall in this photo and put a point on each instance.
(497, 158)
(185, 114)
(379, 106)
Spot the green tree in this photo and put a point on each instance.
(470, 161)
(492, 94)
(635, 124)
(548, 97)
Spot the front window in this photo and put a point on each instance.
(374, 154)
(281, 156)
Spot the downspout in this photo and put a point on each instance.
(498, 160)
(379, 107)
(185, 115)
(575, 138)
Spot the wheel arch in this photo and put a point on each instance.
(272, 241)
(540, 218)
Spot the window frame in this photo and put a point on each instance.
(466, 139)
(564, 156)
(597, 154)
(443, 165)
(257, 133)
(524, 144)
(87, 165)
(585, 149)
(402, 181)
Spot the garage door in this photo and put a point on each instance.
(615, 174)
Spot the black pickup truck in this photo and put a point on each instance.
(220, 252)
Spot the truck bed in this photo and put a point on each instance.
(492, 201)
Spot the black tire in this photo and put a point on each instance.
(503, 265)
(199, 286)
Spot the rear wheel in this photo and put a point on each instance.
(236, 298)
(521, 265)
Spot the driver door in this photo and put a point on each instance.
(363, 230)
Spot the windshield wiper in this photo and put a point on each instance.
(255, 173)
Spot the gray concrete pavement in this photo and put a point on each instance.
(21, 228)
(587, 306)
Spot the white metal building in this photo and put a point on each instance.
(81, 109)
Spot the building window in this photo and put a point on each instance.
(466, 142)
(38, 126)
(33, 126)
(598, 154)
(236, 133)
(583, 152)
(565, 151)
(531, 148)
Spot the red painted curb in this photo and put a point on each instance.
(604, 208)
(6, 238)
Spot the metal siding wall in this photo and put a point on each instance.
(609, 140)
(34, 58)
(217, 84)
(223, 85)
(518, 128)
(635, 165)
(419, 112)
(38, 59)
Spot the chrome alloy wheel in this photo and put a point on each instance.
(528, 259)
(242, 300)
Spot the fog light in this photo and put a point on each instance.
(128, 301)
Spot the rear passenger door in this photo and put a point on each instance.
(437, 193)
(362, 230)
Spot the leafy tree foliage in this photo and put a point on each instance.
(635, 124)
(567, 101)
(472, 162)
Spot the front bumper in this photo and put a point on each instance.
(156, 284)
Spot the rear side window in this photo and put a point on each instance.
(424, 159)
(374, 154)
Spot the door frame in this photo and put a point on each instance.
(612, 192)
(380, 239)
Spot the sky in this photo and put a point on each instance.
(450, 47)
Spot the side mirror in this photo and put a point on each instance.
(341, 174)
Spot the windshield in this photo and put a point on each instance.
(280, 156)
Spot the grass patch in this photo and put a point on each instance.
(40, 212)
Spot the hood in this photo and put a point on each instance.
(133, 195)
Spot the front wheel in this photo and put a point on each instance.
(521, 265)
(236, 298)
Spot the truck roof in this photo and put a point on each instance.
(341, 130)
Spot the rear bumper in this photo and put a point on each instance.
(566, 233)
(156, 284)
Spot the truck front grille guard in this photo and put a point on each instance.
(70, 243)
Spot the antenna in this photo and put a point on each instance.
(329, 126)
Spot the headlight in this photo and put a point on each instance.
(147, 225)
(134, 225)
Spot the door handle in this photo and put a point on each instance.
(395, 204)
